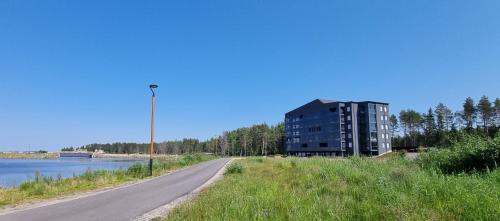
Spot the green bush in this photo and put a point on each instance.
(473, 154)
(234, 168)
(138, 170)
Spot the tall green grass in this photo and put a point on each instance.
(338, 189)
(473, 154)
(42, 187)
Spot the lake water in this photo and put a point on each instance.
(15, 171)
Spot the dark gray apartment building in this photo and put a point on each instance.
(336, 128)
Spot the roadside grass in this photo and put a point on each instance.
(345, 189)
(42, 187)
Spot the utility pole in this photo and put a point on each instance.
(151, 147)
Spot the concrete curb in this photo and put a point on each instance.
(166, 209)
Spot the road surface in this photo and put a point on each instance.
(125, 203)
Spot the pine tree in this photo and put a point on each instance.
(430, 127)
(444, 117)
(486, 111)
(469, 112)
(394, 124)
(497, 111)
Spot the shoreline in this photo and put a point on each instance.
(55, 155)
(18, 197)
(29, 156)
(135, 156)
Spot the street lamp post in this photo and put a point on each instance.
(151, 147)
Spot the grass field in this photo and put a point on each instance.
(45, 187)
(344, 189)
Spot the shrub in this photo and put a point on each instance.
(138, 170)
(400, 153)
(234, 168)
(473, 153)
(26, 186)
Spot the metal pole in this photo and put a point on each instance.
(151, 149)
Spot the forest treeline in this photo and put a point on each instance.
(439, 126)
(260, 139)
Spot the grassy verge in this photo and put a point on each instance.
(28, 155)
(344, 189)
(46, 187)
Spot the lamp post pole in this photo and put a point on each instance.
(151, 147)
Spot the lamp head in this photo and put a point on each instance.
(152, 87)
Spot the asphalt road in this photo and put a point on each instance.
(125, 203)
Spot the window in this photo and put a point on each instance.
(381, 127)
(383, 145)
(348, 117)
(388, 145)
(348, 126)
(296, 139)
(349, 136)
(381, 117)
(387, 127)
(385, 117)
(304, 145)
(348, 109)
(350, 144)
(323, 144)
(381, 109)
(314, 129)
(371, 108)
(385, 109)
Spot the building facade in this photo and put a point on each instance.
(335, 128)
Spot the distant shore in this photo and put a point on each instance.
(55, 155)
(134, 156)
(15, 155)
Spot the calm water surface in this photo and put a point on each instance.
(14, 171)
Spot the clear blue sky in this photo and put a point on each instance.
(76, 72)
